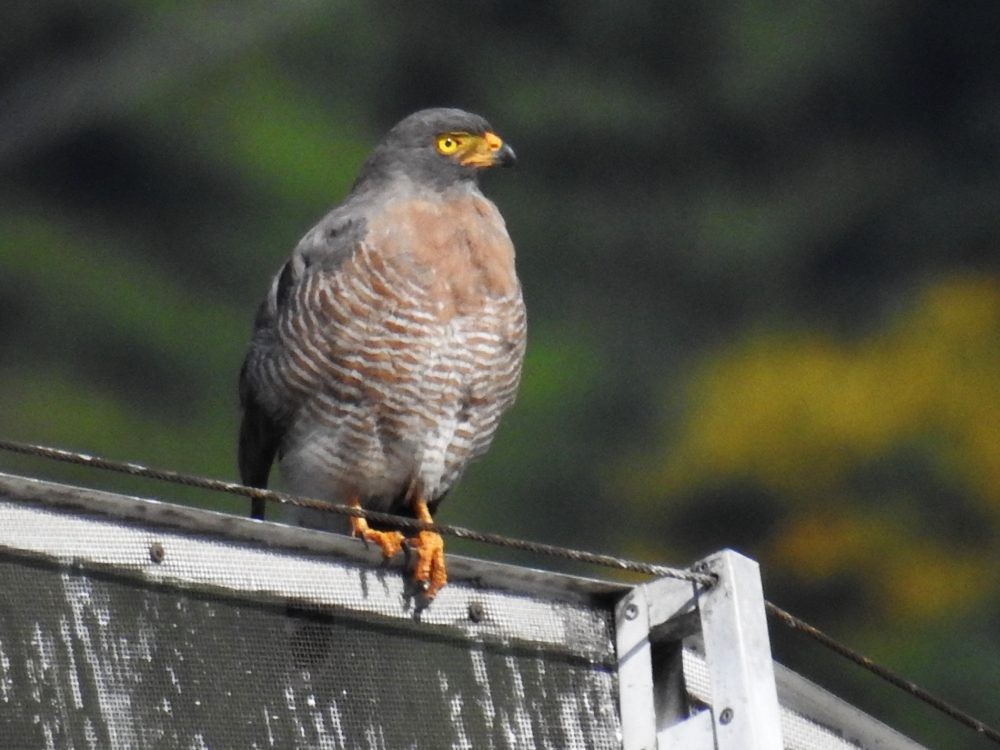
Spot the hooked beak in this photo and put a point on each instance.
(490, 151)
(505, 156)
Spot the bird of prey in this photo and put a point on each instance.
(391, 341)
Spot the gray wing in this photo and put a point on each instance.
(266, 413)
(260, 431)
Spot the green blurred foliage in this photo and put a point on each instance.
(758, 242)
(877, 456)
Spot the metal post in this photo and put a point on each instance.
(652, 622)
(745, 709)
(635, 671)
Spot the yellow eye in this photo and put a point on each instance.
(448, 143)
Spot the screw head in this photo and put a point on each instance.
(156, 552)
(726, 716)
(477, 612)
(631, 611)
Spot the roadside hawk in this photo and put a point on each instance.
(391, 341)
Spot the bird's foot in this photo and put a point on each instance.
(429, 573)
(390, 542)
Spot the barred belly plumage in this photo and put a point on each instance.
(390, 393)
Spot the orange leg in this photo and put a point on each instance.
(391, 542)
(429, 572)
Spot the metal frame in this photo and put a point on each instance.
(694, 666)
(696, 673)
(122, 592)
(654, 619)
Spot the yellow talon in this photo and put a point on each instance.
(429, 573)
(391, 542)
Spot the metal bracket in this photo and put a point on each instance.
(653, 620)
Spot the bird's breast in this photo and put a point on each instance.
(403, 357)
(457, 250)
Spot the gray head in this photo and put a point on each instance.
(438, 148)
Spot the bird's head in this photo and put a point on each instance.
(440, 147)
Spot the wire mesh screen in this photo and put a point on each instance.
(128, 623)
(811, 718)
(121, 633)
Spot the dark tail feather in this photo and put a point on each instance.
(257, 508)
(257, 447)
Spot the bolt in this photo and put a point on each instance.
(631, 611)
(477, 612)
(726, 716)
(156, 552)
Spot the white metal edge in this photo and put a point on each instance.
(268, 574)
(669, 598)
(515, 578)
(696, 733)
(814, 703)
(738, 653)
(647, 607)
(635, 672)
(805, 705)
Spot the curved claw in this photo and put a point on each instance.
(390, 542)
(429, 573)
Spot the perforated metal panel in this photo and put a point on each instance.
(811, 717)
(129, 623)
(117, 633)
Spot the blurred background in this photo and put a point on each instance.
(758, 242)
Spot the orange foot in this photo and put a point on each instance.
(391, 542)
(429, 572)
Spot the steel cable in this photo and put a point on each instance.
(459, 532)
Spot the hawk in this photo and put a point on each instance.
(391, 341)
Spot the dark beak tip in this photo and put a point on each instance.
(506, 157)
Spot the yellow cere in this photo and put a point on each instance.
(493, 141)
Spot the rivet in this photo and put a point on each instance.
(476, 611)
(156, 552)
(726, 716)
